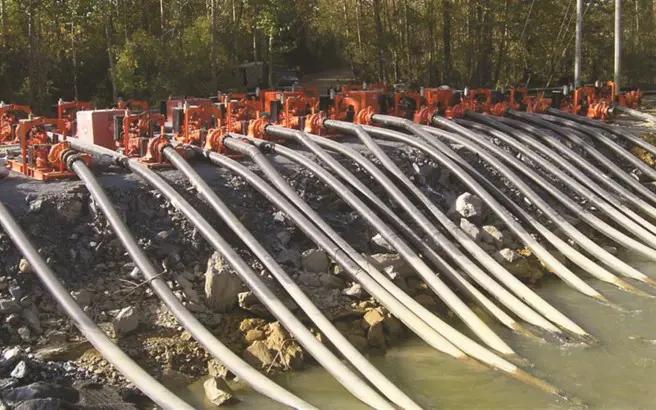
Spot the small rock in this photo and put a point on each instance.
(310, 280)
(248, 324)
(125, 321)
(471, 207)
(217, 391)
(279, 216)
(217, 369)
(162, 236)
(31, 316)
(376, 336)
(284, 237)
(518, 265)
(610, 249)
(293, 357)
(315, 260)
(258, 354)
(277, 336)
(83, 297)
(57, 337)
(49, 403)
(329, 281)
(355, 291)
(25, 334)
(16, 292)
(135, 273)
(372, 317)
(71, 210)
(253, 335)
(8, 306)
(36, 205)
(41, 390)
(382, 243)
(8, 383)
(13, 320)
(248, 301)
(492, 235)
(470, 229)
(222, 285)
(19, 372)
(24, 266)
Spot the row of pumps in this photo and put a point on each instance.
(529, 140)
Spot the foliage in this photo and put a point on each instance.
(93, 49)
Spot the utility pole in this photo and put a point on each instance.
(579, 38)
(618, 44)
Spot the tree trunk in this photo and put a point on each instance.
(75, 90)
(30, 60)
(112, 72)
(379, 40)
(162, 28)
(446, 17)
(271, 60)
(213, 42)
(502, 47)
(357, 25)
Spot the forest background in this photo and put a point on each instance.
(149, 49)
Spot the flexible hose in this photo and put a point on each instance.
(579, 211)
(609, 205)
(435, 149)
(579, 259)
(624, 194)
(467, 345)
(337, 339)
(635, 113)
(617, 131)
(465, 263)
(562, 246)
(233, 362)
(610, 260)
(444, 267)
(343, 374)
(112, 353)
(549, 260)
(609, 143)
(386, 292)
(577, 139)
(444, 292)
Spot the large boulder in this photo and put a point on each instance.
(518, 265)
(469, 206)
(222, 285)
(470, 229)
(258, 355)
(315, 260)
(217, 391)
(126, 321)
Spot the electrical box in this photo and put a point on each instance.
(97, 127)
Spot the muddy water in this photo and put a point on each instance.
(620, 373)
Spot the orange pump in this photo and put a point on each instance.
(66, 111)
(197, 120)
(348, 104)
(42, 157)
(139, 139)
(9, 118)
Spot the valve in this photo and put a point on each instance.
(257, 128)
(314, 123)
(365, 116)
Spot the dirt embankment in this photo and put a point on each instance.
(74, 238)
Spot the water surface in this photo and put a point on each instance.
(620, 373)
